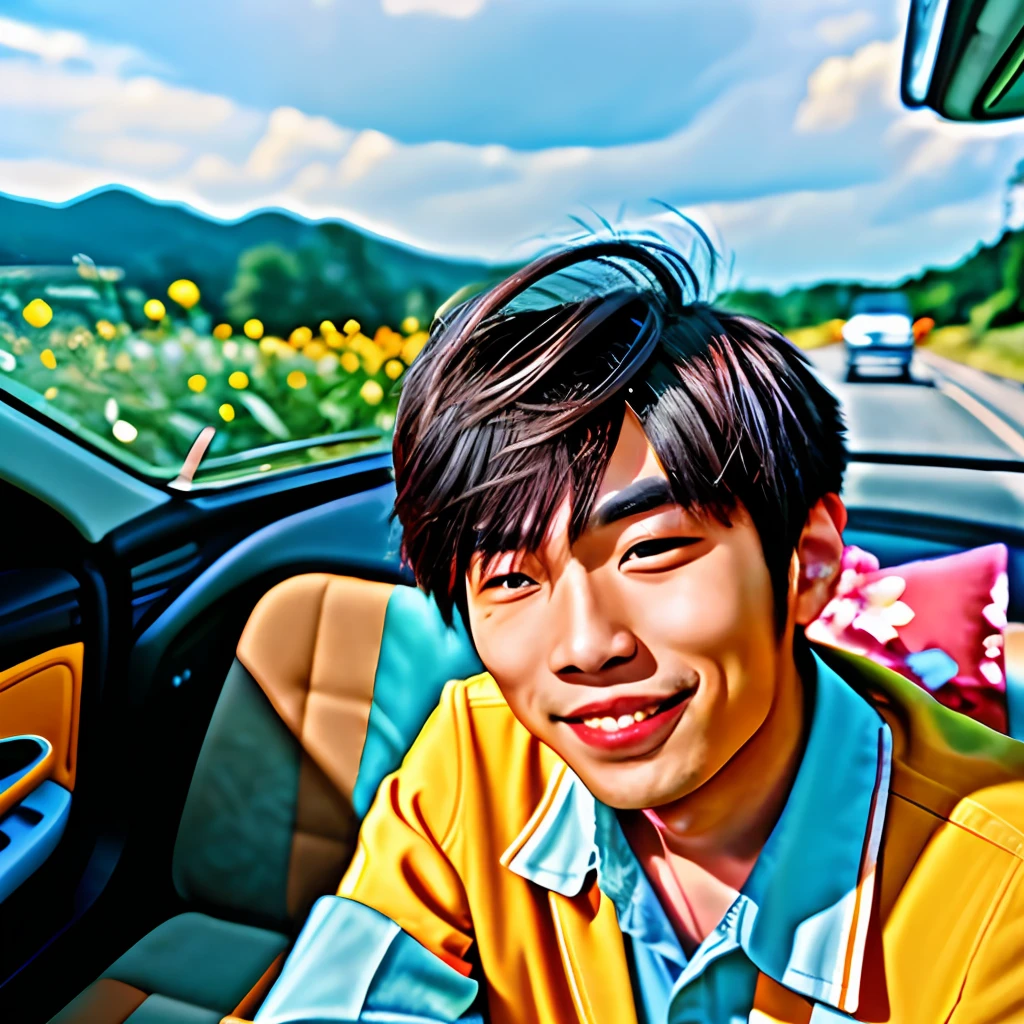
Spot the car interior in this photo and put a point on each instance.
(224, 681)
(202, 689)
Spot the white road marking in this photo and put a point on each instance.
(1007, 434)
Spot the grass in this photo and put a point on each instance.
(999, 351)
(827, 333)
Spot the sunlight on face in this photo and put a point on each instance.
(644, 654)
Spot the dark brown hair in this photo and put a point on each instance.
(518, 397)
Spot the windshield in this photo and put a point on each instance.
(251, 226)
(881, 303)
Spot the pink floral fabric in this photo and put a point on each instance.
(939, 622)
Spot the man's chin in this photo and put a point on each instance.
(638, 794)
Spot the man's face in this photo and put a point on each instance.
(645, 654)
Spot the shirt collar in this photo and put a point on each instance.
(810, 893)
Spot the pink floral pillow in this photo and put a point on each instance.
(939, 622)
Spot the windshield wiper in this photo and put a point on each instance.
(183, 481)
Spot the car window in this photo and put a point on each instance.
(881, 302)
(139, 372)
(250, 224)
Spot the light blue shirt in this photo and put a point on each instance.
(800, 919)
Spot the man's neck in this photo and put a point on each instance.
(722, 826)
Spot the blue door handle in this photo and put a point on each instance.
(34, 815)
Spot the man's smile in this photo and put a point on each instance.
(634, 724)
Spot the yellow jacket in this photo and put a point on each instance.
(946, 938)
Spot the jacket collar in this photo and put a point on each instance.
(808, 901)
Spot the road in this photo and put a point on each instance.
(949, 410)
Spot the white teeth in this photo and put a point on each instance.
(609, 724)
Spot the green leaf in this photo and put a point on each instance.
(264, 415)
(188, 426)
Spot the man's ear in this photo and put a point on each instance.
(818, 555)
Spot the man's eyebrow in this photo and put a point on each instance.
(640, 496)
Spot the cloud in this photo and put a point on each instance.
(441, 8)
(840, 29)
(840, 88)
(143, 154)
(290, 138)
(806, 169)
(149, 104)
(57, 46)
(53, 45)
(368, 150)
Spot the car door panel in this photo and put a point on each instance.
(351, 534)
(30, 832)
(42, 657)
(25, 763)
(42, 696)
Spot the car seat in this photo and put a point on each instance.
(333, 678)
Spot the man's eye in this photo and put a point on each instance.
(650, 548)
(510, 581)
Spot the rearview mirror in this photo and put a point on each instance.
(965, 58)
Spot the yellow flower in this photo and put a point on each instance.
(227, 412)
(154, 309)
(197, 383)
(349, 362)
(394, 368)
(413, 346)
(335, 340)
(351, 327)
(124, 431)
(371, 392)
(105, 329)
(37, 313)
(222, 331)
(184, 293)
(300, 336)
(372, 361)
(296, 379)
(50, 394)
(122, 362)
(410, 325)
(253, 329)
(238, 380)
(388, 341)
(327, 327)
(314, 350)
(48, 359)
(271, 346)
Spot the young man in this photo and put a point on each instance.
(659, 804)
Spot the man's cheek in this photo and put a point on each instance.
(695, 620)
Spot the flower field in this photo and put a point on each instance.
(143, 375)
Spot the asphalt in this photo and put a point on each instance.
(946, 410)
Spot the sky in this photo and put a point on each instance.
(483, 127)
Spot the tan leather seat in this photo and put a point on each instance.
(333, 678)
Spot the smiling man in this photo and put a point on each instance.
(659, 804)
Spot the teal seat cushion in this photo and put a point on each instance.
(161, 1010)
(198, 960)
(418, 655)
(235, 838)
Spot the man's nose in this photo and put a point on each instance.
(589, 639)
